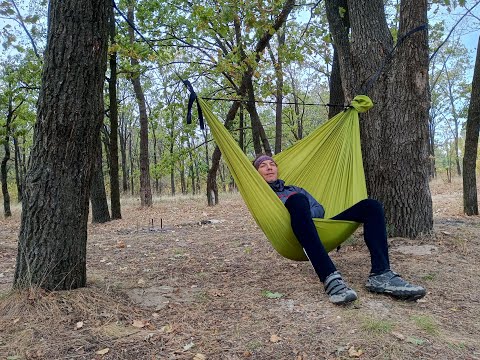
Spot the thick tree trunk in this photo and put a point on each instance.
(112, 94)
(98, 196)
(395, 132)
(470, 202)
(53, 232)
(145, 187)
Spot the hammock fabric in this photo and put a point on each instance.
(327, 163)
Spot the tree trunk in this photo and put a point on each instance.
(123, 152)
(212, 188)
(19, 176)
(3, 167)
(278, 65)
(53, 233)
(145, 188)
(130, 153)
(112, 94)
(241, 135)
(172, 161)
(98, 196)
(155, 161)
(470, 202)
(183, 184)
(395, 132)
(336, 90)
(260, 141)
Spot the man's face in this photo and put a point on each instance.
(268, 170)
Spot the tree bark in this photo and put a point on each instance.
(98, 196)
(145, 187)
(470, 202)
(53, 232)
(3, 166)
(336, 91)
(212, 188)
(19, 176)
(112, 94)
(123, 151)
(395, 132)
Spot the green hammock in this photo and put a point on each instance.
(327, 163)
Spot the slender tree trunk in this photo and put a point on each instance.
(155, 162)
(112, 94)
(130, 153)
(278, 65)
(172, 161)
(145, 188)
(336, 89)
(241, 135)
(431, 147)
(123, 152)
(19, 176)
(98, 196)
(191, 165)
(260, 141)
(212, 188)
(53, 233)
(395, 132)
(183, 184)
(3, 166)
(470, 202)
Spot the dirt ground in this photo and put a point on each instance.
(204, 283)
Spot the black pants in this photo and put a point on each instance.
(368, 212)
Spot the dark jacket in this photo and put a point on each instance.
(285, 191)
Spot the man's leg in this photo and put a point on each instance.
(306, 233)
(382, 279)
(370, 213)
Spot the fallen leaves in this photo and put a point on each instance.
(275, 338)
(140, 324)
(103, 351)
(188, 346)
(352, 352)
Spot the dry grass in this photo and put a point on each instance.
(194, 290)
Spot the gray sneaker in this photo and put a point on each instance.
(339, 293)
(392, 284)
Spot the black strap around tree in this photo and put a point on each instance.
(193, 97)
(388, 58)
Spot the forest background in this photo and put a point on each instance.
(175, 41)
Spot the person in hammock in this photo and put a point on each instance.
(303, 207)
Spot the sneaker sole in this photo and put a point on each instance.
(400, 295)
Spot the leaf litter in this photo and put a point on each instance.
(224, 293)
